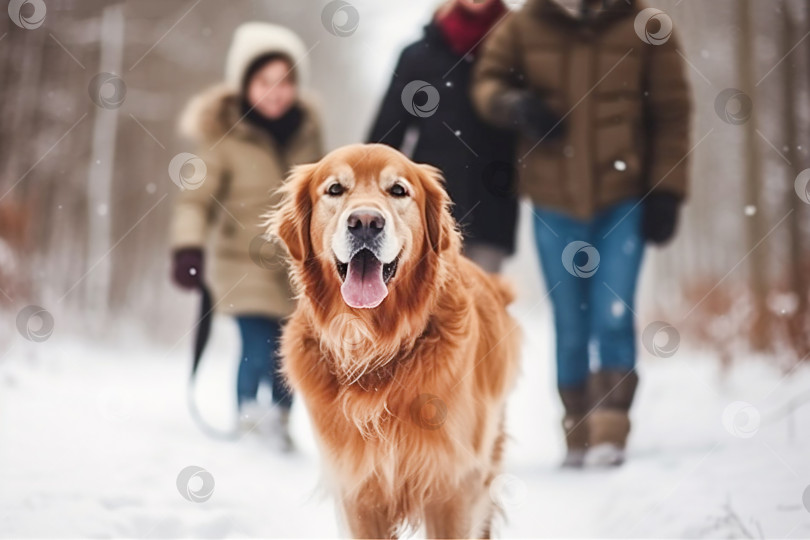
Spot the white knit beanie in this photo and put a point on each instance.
(254, 39)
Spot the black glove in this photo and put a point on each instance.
(529, 114)
(660, 216)
(187, 268)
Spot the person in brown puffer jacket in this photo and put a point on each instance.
(250, 131)
(598, 92)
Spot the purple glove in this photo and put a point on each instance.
(187, 271)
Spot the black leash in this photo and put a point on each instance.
(200, 341)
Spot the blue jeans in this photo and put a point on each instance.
(592, 289)
(260, 360)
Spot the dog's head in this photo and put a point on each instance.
(364, 220)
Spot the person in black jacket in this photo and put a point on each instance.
(429, 97)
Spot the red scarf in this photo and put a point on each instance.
(464, 30)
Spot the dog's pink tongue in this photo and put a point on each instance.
(364, 286)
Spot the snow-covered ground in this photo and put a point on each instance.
(93, 438)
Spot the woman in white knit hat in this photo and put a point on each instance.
(249, 132)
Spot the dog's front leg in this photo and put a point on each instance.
(367, 517)
(465, 512)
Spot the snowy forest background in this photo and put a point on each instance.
(84, 209)
(85, 193)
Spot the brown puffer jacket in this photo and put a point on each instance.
(223, 213)
(625, 101)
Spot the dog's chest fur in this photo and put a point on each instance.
(397, 423)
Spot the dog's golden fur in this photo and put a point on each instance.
(407, 399)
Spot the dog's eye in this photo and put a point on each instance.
(398, 190)
(335, 190)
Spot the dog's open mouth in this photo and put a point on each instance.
(365, 278)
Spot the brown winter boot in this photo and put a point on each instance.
(575, 401)
(612, 394)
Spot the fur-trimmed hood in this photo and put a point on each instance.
(216, 113)
(255, 39)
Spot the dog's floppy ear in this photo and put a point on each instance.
(291, 219)
(439, 225)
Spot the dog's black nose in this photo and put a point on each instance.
(366, 224)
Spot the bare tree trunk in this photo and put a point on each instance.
(798, 320)
(796, 278)
(100, 173)
(759, 335)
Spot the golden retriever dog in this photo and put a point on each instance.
(401, 348)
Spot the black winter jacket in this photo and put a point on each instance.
(476, 159)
